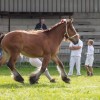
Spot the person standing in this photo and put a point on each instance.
(89, 58)
(41, 25)
(75, 58)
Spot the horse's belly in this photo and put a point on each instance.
(32, 53)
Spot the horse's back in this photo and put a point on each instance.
(25, 42)
(17, 36)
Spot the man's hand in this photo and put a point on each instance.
(74, 47)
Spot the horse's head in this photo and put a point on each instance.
(71, 33)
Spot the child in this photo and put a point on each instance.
(89, 57)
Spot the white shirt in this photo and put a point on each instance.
(76, 52)
(90, 50)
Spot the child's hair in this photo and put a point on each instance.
(91, 41)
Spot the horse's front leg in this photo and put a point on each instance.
(61, 68)
(34, 77)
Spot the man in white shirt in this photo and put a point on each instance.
(75, 57)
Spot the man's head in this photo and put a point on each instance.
(42, 21)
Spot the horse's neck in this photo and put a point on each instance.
(57, 34)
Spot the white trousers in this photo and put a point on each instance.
(36, 62)
(89, 60)
(74, 60)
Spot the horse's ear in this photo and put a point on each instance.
(70, 20)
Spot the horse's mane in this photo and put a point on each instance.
(53, 27)
(47, 30)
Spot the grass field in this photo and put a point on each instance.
(80, 88)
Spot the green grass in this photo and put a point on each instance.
(80, 88)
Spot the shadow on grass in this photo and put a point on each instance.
(25, 70)
(27, 85)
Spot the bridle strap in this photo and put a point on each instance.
(68, 34)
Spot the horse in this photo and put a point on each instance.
(40, 43)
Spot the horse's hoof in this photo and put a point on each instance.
(33, 79)
(52, 80)
(19, 79)
(66, 80)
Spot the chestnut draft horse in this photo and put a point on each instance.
(41, 43)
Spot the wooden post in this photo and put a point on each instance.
(8, 23)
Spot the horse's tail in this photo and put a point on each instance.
(3, 58)
(1, 37)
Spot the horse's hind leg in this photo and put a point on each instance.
(61, 68)
(11, 65)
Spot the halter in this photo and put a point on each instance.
(68, 34)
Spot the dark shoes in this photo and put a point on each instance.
(89, 74)
(52, 80)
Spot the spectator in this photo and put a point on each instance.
(41, 25)
(89, 58)
(75, 58)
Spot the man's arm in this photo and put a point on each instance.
(74, 47)
(36, 27)
(44, 27)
